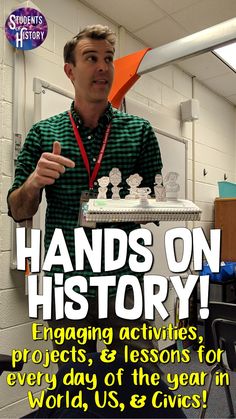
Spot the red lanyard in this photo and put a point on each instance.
(84, 154)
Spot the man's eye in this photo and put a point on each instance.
(109, 59)
(92, 58)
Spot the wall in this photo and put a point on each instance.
(212, 140)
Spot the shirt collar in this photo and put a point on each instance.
(104, 119)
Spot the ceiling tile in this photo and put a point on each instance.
(232, 99)
(224, 85)
(205, 13)
(161, 32)
(131, 14)
(172, 6)
(88, 16)
(204, 66)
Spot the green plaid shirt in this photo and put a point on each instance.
(132, 147)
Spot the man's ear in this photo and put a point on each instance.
(68, 68)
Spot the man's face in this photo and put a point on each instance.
(92, 74)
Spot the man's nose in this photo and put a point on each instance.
(102, 65)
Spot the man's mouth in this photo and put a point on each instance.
(101, 82)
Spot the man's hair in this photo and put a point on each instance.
(92, 32)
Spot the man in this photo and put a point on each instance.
(52, 159)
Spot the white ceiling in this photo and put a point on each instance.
(157, 22)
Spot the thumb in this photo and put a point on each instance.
(56, 147)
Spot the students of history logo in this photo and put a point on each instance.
(26, 28)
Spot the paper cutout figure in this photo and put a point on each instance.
(172, 187)
(115, 179)
(102, 190)
(159, 189)
(133, 181)
(143, 195)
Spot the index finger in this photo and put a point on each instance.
(64, 161)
